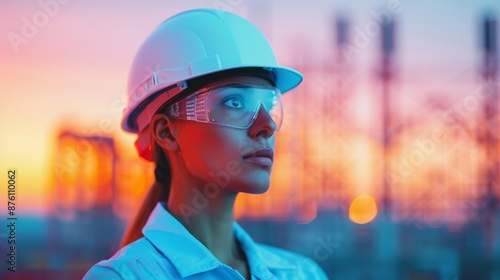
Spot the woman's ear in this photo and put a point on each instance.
(162, 132)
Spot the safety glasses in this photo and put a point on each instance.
(231, 104)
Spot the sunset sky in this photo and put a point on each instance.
(66, 63)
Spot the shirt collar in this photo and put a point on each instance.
(259, 259)
(189, 256)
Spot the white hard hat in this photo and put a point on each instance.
(191, 45)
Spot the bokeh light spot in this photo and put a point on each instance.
(363, 209)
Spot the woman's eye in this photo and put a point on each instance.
(234, 102)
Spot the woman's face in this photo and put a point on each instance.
(227, 158)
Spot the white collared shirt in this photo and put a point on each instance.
(169, 251)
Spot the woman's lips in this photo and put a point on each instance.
(262, 156)
(264, 161)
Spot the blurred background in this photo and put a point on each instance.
(387, 166)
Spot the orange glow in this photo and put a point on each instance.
(328, 151)
(363, 209)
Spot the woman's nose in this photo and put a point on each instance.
(264, 125)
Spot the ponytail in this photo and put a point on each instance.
(159, 191)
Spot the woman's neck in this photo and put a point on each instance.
(208, 218)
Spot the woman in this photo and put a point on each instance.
(205, 100)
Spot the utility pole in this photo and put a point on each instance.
(334, 109)
(489, 132)
(387, 74)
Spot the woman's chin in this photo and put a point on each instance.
(255, 188)
(260, 191)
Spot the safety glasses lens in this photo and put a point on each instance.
(232, 105)
(238, 105)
